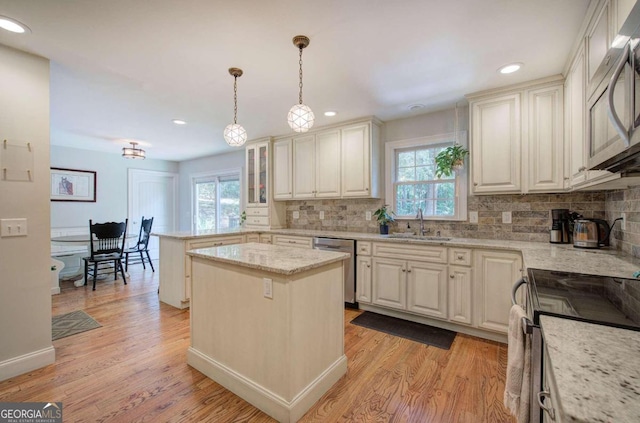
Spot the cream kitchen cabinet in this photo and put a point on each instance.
(316, 165)
(389, 283)
(460, 285)
(262, 213)
(175, 265)
(282, 169)
(363, 279)
(517, 142)
(360, 161)
(494, 274)
(292, 241)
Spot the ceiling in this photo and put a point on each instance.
(122, 70)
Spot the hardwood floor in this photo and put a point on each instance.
(133, 369)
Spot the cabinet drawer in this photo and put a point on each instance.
(258, 220)
(410, 252)
(253, 238)
(460, 256)
(292, 241)
(215, 242)
(265, 239)
(364, 248)
(257, 211)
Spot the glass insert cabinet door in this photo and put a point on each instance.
(257, 177)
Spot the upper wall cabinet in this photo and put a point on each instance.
(517, 138)
(337, 162)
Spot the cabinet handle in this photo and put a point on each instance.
(408, 270)
(475, 184)
(366, 189)
(403, 269)
(368, 265)
(452, 276)
(541, 396)
(581, 168)
(460, 257)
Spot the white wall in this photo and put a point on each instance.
(440, 122)
(234, 159)
(25, 292)
(111, 178)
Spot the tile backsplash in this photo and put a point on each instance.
(530, 215)
(625, 201)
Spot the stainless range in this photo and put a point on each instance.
(602, 300)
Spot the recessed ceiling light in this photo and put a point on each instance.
(13, 25)
(330, 113)
(416, 107)
(179, 122)
(510, 68)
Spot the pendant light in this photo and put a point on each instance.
(300, 116)
(133, 152)
(234, 134)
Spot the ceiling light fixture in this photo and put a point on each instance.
(330, 113)
(13, 25)
(510, 68)
(133, 152)
(235, 135)
(179, 122)
(300, 116)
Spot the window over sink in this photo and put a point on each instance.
(411, 183)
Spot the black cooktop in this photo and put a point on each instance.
(597, 299)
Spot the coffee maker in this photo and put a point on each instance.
(560, 232)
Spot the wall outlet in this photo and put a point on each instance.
(473, 217)
(296, 215)
(13, 227)
(267, 287)
(321, 214)
(623, 222)
(368, 215)
(506, 217)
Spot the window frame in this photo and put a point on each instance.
(461, 179)
(203, 177)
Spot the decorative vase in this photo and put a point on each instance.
(457, 165)
(384, 229)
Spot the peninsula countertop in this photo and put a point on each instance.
(270, 258)
(536, 255)
(596, 370)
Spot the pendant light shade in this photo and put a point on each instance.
(234, 134)
(133, 152)
(300, 116)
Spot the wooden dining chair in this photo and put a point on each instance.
(107, 249)
(141, 248)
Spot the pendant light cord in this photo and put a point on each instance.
(455, 126)
(235, 100)
(300, 84)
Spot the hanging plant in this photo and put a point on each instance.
(450, 159)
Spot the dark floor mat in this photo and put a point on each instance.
(418, 332)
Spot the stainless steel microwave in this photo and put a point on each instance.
(613, 121)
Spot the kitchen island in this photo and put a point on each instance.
(267, 323)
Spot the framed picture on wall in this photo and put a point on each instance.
(73, 185)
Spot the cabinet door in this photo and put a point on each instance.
(327, 164)
(389, 283)
(575, 88)
(427, 288)
(251, 156)
(262, 164)
(363, 279)
(598, 41)
(282, 175)
(356, 166)
(495, 143)
(545, 139)
(304, 167)
(495, 271)
(460, 294)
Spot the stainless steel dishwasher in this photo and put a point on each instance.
(343, 246)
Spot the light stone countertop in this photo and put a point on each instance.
(596, 370)
(536, 255)
(270, 258)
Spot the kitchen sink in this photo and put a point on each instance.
(419, 237)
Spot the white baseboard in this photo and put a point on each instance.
(272, 404)
(55, 291)
(27, 362)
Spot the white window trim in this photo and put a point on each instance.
(461, 176)
(203, 176)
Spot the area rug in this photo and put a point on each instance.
(418, 332)
(71, 324)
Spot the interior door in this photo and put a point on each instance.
(152, 194)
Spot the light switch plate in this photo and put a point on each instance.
(267, 287)
(623, 222)
(473, 217)
(321, 214)
(368, 215)
(13, 227)
(296, 214)
(506, 217)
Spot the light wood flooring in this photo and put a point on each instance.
(133, 369)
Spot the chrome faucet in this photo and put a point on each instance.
(419, 216)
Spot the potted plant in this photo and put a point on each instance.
(384, 216)
(450, 159)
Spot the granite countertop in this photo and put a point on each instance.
(536, 255)
(595, 370)
(270, 258)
